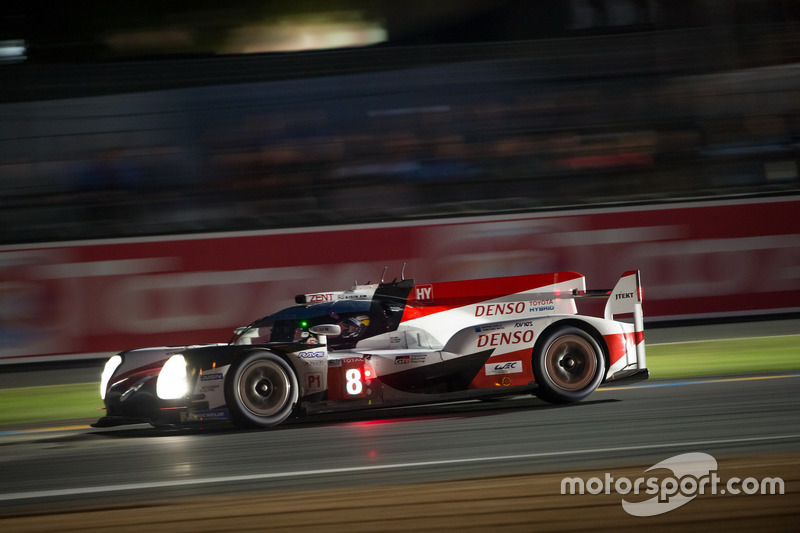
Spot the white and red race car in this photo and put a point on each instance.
(389, 344)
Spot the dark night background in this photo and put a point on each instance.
(141, 118)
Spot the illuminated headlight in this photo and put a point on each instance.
(172, 382)
(108, 372)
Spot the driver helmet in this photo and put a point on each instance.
(353, 327)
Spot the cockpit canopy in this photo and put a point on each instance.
(358, 320)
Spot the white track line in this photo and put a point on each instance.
(723, 339)
(55, 493)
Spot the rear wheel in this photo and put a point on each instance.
(568, 366)
(262, 390)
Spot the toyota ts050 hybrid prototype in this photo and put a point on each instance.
(389, 344)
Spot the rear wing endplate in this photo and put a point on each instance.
(626, 298)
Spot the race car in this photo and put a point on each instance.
(390, 344)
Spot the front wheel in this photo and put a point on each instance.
(568, 366)
(262, 390)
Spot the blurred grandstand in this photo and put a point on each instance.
(590, 115)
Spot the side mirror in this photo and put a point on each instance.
(323, 330)
(326, 329)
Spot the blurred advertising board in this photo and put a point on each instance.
(90, 298)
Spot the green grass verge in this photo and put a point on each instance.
(764, 354)
(47, 404)
(736, 356)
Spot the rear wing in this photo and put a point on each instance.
(626, 298)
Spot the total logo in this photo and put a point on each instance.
(508, 367)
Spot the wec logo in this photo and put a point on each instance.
(509, 367)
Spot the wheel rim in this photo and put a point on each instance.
(264, 388)
(570, 362)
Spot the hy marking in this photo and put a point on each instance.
(56, 493)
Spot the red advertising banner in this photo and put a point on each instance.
(697, 260)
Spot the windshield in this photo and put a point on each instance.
(291, 325)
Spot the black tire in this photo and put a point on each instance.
(568, 365)
(261, 390)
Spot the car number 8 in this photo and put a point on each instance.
(353, 385)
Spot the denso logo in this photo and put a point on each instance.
(310, 355)
(511, 337)
(500, 309)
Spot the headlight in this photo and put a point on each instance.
(172, 382)
(108, 372)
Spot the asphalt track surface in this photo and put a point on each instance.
(753, 417)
